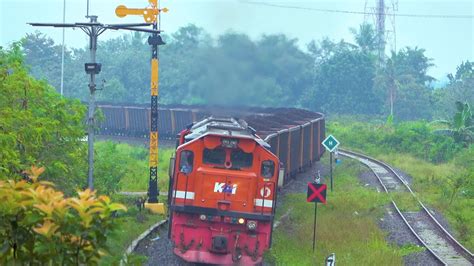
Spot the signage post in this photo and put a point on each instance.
(330, 143)
(316, 193)
(331, 260)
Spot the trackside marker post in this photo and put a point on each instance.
(331, 144)
(331, 260)
(316, 193)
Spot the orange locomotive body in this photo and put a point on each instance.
(222, 193)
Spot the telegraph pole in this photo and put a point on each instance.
(94, 29)
(150, 14)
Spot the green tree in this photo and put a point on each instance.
(365, 38)
(459, 89)
(403, 83)
(38, 126)
(45, 58)
(343, 81)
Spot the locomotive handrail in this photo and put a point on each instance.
(267, 138)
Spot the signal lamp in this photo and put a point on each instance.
(202, 217)
(252, 225)
(92, 68)
(241, 221)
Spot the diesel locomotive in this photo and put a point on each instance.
(222, 193)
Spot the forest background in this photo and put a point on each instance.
(333, 77)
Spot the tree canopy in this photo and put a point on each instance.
(274, 70)
(37, 126)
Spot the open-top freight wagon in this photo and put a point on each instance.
(294, 135)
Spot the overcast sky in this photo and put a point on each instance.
(447, 41)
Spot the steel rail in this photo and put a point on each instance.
(466, 253)
(394, 205)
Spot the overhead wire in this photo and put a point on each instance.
(324, 10)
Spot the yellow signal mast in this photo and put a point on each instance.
(151, 16)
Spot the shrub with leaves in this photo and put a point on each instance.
(38, 126)
(38, 225)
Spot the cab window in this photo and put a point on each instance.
(186, 162)
(268, 169)
(215, 156)
(241, 159)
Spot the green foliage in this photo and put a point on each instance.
(416, 138)
(110, 167)
(232, 69)
(462, 125)
(411, 248)
(38, 225)
(344, 84)
(125, 167)
(37, 126)
(129, 226)
(403, 80)
(459, 89)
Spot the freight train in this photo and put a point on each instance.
(294, 135)
(224, 179)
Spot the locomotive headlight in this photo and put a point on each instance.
(241, 221)
(252, 225)
(202, 217)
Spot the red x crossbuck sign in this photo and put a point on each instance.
(316, 193)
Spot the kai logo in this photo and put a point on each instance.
(225, 188)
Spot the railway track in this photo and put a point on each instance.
(431, 234)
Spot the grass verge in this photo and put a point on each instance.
(130, 225)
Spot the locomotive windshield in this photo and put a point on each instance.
(219, 157)
(241, 159)
(214, 156)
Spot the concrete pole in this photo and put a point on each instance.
(92, 88)
(62, 52)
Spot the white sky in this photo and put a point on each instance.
(447, 41)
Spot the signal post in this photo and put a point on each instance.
(151, 15)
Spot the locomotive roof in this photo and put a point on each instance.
(229, 127)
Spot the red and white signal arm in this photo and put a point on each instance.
(316, 192)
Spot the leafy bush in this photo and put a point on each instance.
(415, 138)
(38, 126)
(38, 225)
